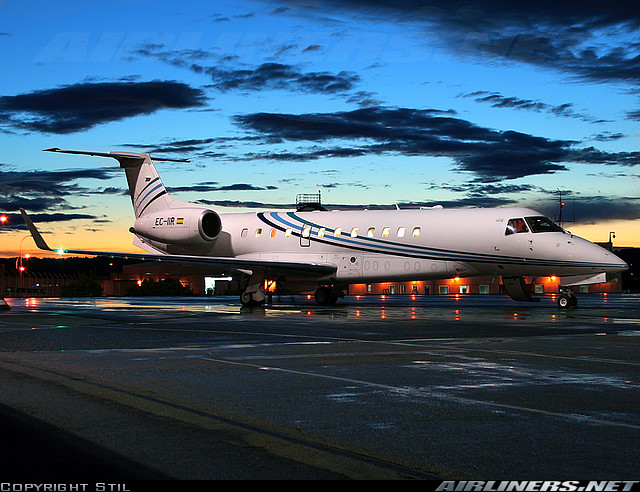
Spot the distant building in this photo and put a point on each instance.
(45, 278)
(190, 276)
(475, 285)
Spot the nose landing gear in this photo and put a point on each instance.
(567, 299)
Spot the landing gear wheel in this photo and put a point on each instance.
(325, 296)
(247, 300)
(566, 301)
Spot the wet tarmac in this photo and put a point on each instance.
(441, 387)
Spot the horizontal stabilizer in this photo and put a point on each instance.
(126, 159)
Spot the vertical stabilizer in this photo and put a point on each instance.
(147, 191)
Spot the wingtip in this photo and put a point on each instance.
(52, 149)
(35, 234)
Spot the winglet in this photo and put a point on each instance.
(37, 237)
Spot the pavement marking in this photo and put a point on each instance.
(422, 393)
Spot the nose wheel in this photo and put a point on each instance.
(255, 293)
(248, 299)
(567, 300)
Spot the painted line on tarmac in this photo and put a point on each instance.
(418, 392)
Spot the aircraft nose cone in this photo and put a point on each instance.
(615, 264)
(621, 266)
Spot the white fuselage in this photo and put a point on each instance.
(376, 245)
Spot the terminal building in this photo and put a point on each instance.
(47, 280)
(231, 284)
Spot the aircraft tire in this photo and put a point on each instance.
(566, 301)
(325, 297)
(247, 300)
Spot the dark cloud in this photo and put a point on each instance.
(267, 76)
(497, 100)
(490, 154)
(49, 183)
(16, 223)
(607, 136)
(563, 35)
(40, 191)
(246, 204)
(201, 146)
(481, 189)
(270, 76)
(633, 115)
(590, 41)
(82, 106)
(593, 209)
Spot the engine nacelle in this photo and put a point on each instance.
(182, 226)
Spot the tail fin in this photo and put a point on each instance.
(145, 186)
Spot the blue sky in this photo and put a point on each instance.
(419, 103)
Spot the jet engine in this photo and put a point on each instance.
(181, 226)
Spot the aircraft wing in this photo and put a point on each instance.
(269, 267)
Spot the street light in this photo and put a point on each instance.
(3, 304)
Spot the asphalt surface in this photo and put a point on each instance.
(402, 387)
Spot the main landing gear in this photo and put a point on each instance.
(328, 295)
(567, 299)
(255, 294)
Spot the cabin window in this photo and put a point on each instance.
(515, 226)
(258, 232)
(400, 231)
(337, 232)
(288, 232)
(386, 232)
(371, 232)
(354, 232)
(273, 232)
(306, 231)
(321, 232)
(416, 232)
(244, 232)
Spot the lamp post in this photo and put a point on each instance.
(3, 304)
(19, 265)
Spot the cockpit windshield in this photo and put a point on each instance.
(543, 224)
(533, 224)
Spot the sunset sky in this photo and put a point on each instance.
(416, 103)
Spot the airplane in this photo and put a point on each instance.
(325, 251)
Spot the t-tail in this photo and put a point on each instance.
(160, 219)
(147, 191)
